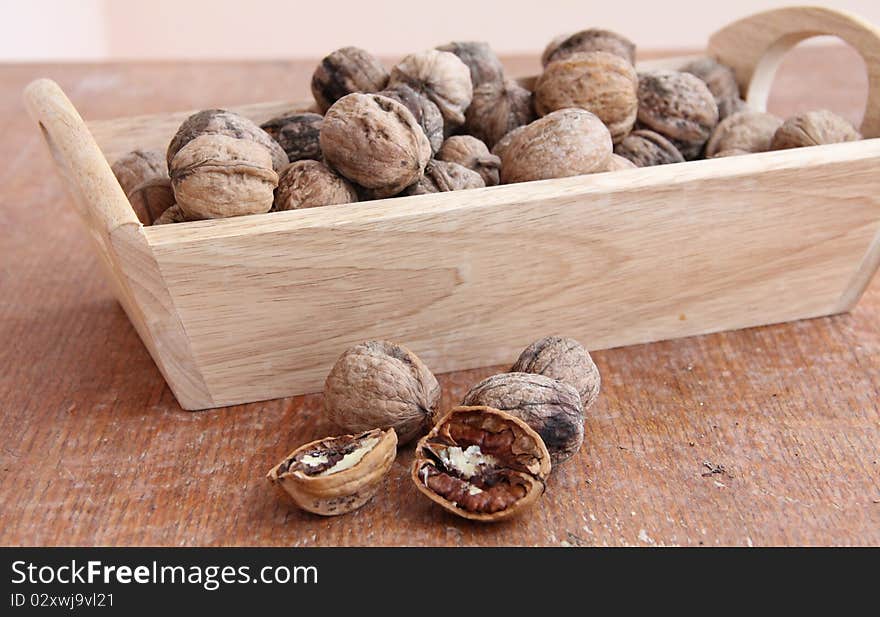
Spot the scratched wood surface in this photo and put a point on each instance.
(758, 437)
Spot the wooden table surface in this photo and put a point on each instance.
(759, 437)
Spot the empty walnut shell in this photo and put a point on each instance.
(222, 122)
(443, 78)
(481, 464)
(297, 134)
(379, 384)
(215, 176)
(813, 128)
(336, 475)
(444, 176)
(171, 215)
(309, 184)
(680, 107)
(138, 166)
(376, 142)
(347, 70)
(568, 142)
(423, 109)
(472, 153)
(564, 359)
(550, 407)
(484, 65)
(647, 148)
(751, 131)
(721, 82)
(151, 198)
(593, 39)
(498, 108)
(618, 163)
(599, 82)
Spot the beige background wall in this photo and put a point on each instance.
(163, 29)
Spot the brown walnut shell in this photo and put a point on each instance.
(551, 47)
(593, 39)
(172, 215)
(151, 198)
(443, 78)
(375, 142)
(813, 128)
(138, 166)
(297, 134)
(336, 475)
(481, 464)
(599, 82)
(564, 359)
(215, 176)
(751, 131)
(484, 65)
(309, 184)
(568, 142)
(721, 81)
(379, 384)
(502, 144)
(680, 107)
(618, 163)
(550, 407)
(472, 153)
(498, 108)
(647, 148)
(423, 109)
(222, 122)
(444, 176)
(345, 71)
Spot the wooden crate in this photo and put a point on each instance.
(259, 307)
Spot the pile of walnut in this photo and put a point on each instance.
(485, 460)
(447, 119)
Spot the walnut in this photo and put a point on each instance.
(502, 144)
(597, 81)
(379, 384)
(297, 133)
(721, 82)
(618, 163)
(443, 78)
(137, 167)
(172, 215)
(481, 464)
(593, 39)
(336, 475)
(498, 108)
(568, 142)
(222, 122)
(376, 142)
(346, 71)
(564, 359)
(551, 47)
(215, 176)
(484, 65)
(680, 107)
(813, 128)
(308, 184)
(725, 153)
(750, 131)
(151, 198)
(472, 153)
(443, 176)
(553, 409)
(423, 109)
(647, 148)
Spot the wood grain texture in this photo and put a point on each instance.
(99, 452)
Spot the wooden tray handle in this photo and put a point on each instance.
(96, 192)
(754, 47)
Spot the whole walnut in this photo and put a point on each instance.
(215, 176)
(423, 109)
(552, 409)
(647, 148)
(484, 65)
(502, 144)
(568, 142)
(443, 78)
(750, 131)
(151, 198)
(564, 359)
(551, 47)
(297, 133)
(472, 153)
(498, 108)
(137, 167)
(721, 82)
(593, 39)
(380, 384)
(346, 71)
(309, 184)
(376, 142)
(443, 176)
(222, 122)
(619, 163)
(680, 107)
(172, 214)
(597, 81)
(813, 128)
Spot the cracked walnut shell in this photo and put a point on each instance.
(336, 475)
(473, 154)
(498, 108)
(481, 464)
(442, 77)
(345, 71)
(813, 128)
(564, 359)
(309, 184)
